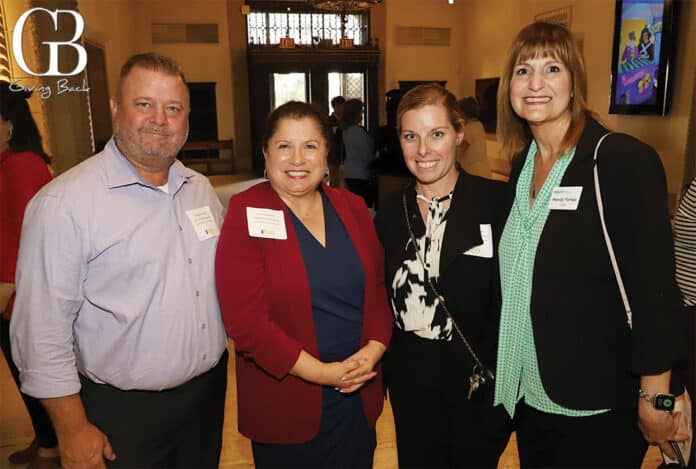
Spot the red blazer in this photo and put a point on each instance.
(265, 301)
(21, 176)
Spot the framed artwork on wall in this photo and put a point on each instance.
(644, 36)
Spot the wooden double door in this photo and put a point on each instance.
(311, 75)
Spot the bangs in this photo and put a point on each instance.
(542, 40)
(542, 49)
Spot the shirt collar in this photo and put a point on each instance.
(120, 172)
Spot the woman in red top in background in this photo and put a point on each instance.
(23, 171)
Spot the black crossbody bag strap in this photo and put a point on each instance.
(479, 368)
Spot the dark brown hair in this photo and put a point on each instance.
(15, 109)
(295, 110)
(352, 113)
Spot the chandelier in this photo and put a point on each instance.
(343, 6)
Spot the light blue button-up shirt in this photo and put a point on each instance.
(114, 283)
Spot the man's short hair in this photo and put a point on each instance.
(150, 61)
(338, 101)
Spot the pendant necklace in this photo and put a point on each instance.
(534, 187)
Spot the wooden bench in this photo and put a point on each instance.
(209, 164)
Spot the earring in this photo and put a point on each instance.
(327, 173)
(265, 176)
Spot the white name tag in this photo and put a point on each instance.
(485, 249)
(266, 223)
(565, 198)
(203, 223)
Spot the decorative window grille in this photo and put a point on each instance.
(266, 28)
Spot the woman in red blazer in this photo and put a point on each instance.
(300, 281)
(23, 171)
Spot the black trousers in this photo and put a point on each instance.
(609, 440)
(180, 427)
(43, 429)
(436, 426)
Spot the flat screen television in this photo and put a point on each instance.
(644, 38)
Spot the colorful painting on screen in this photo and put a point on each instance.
(639, 51)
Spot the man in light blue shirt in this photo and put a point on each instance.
(116, 325)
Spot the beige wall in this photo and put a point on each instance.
(425, 62)
(497, 21)
(123, 28)
(108, 23)
(200, 62)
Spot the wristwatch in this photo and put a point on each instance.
(659, 401)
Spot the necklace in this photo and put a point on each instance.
(537, 170)
(534, 173)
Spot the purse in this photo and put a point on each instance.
(681, 449)
(480, 374)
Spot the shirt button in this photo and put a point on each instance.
(180, 228)
(205, 356)
(190, 260)
(198, 293)
(203, 326)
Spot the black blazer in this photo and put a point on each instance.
(588, 357)
(469, 284)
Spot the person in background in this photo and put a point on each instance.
(359, 150)
(116, 325)
(452, 216)
(570, 370)
(301, 287)
(472, 156)
(336, 154)
(685, 252)
(23, 171)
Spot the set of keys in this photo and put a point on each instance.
(476, 379)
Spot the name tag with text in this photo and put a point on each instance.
(266, 223)
(485, 249)
(565, 198)
(203, 223)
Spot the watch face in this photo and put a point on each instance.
(664, 402)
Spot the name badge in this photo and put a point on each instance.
(565, 198)
(203, 223)
(266, 223)
(485, 249)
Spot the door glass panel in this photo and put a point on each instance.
(288, 87)
(348, 85)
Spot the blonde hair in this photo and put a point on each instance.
(541, 40)
(433, 94)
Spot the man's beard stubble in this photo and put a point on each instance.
(150, 156)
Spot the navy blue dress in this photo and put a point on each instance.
(337, 287)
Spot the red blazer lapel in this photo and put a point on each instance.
(286, 265)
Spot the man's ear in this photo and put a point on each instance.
(113, 106)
